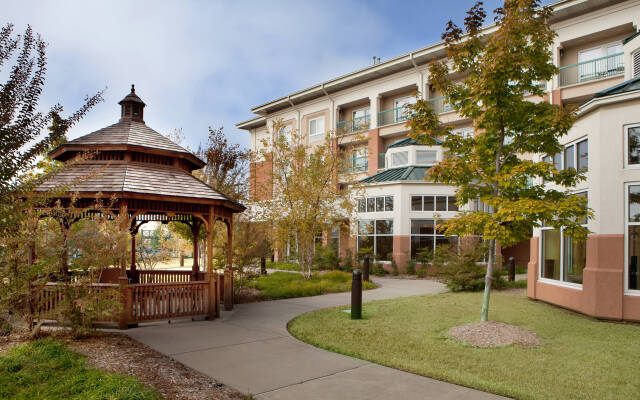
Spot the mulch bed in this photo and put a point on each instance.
(120, 354)
(493, 334)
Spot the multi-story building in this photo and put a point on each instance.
(597, 53)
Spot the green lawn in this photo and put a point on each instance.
(286, 266)
(47, 369)
(578, 358)
(284, 285)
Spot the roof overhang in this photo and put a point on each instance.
(60, 152)
(252, 123)
(597, 102)
(562, 9)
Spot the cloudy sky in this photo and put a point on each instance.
(206, 63)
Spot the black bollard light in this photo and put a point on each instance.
(365, 268)
(263, 266)
(356, 295)
(512, 269)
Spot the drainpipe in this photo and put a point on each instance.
(420, 76)
(298, 112)
(333, 109)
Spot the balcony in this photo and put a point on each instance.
(440, 105)
(394, 115)
(599, 68)
(356, 164)
(352, 126)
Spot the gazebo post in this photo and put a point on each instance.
(214, 300)
(124, 224)
(228, 273)
(132, 267)
(195, 230)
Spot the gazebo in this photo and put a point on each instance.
(150, 178)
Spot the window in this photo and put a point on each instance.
(582, 156)
(563, 258)
(376, 235)
(574, 155)
(316, 126)
(633, 145)
(433, 203)
(375, 204)
(400, 158)
(426, 157)
(360, 119)
(464, 132)
(425, 237)
(633, 237)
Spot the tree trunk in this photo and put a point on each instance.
(487, 282)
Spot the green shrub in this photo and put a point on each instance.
(394, 268)
(346, 262)
(411, 267)
(462, 269)
(326, 257)
(284, 285)
(284, 266)
(378, 269)
(421, 272)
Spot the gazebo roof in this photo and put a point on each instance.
(129, 176)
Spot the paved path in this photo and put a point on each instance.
(251, 350)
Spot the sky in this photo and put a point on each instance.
(207, 63)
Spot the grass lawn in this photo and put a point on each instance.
(47, 369)
(578, 358)
(284, 285)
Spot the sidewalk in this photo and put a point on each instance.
(251, 350)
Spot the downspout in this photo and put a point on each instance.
(420, 76)
(333, 109)
(298, 111)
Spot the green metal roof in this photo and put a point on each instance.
(624, 87)
(410, 173)
(410, 142)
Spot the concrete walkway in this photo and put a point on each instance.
(251, 350)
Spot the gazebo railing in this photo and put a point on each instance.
(164, 276)
(47, 298)
(152, 301)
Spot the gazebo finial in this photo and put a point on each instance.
(132, 107)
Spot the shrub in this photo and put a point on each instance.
(421, 272)
(394, 268)
(326, 257)
(378, 269)
(411, 267)
(462, 269)
(346, 263)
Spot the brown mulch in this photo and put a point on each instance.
(493, 334)
(120, 354)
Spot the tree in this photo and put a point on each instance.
(25, 135)
(307, 198)
(21, 124)
(501, 69)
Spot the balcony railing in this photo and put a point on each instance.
(440, 105)
(356, 164)
(585, 71)
(398, 114)
(355, 125)
(381, 160)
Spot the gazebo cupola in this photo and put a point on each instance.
(132, 107)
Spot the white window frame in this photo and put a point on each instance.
(317, 134)
(422, 196)
(627, 291)
(625, 139)
(435, 157)
(558, 282)
(393, 164)
(434, 235)
(375, 235)
(285, 132)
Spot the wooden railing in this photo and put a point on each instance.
(151, 301)
(164, 276)
(46, 298)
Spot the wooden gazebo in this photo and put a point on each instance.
(151, 179)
